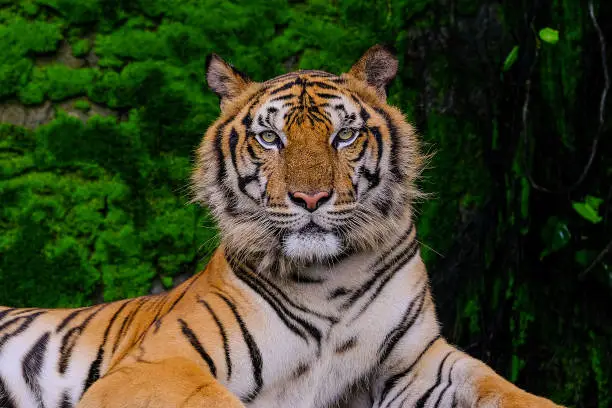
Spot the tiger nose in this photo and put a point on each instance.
(309, 201)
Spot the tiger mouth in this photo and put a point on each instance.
(313, 228)
(311, 243)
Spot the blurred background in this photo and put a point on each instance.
(102, 103)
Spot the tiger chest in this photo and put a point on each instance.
(313, 363)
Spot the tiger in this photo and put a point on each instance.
(316, 296)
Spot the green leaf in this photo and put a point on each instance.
(584, 257)
(587, 211)
(594, 202)
(549, 35)
(167, 281)
(556, 235)
(511, 58)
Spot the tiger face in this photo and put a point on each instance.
(308, 166)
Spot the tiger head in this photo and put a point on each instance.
(308, 166)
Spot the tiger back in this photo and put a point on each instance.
(317, 294)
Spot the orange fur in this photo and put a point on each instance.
(175, 382)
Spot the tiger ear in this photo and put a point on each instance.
(224, 80)
(377, 68)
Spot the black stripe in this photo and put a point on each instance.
(379, 272)
(395, 335)
(373, 177)
(27, 321)
(362, 152)
(400, 393)
(66, 402)
(341, 108)
(94, 369)
(25, 311)
(260, 122)
(391, 267)
(265, 285)
(157, 320)
(289, 301)
(126, 323)
(316, 116)
(247, 120)
(68, 319)
(195, 343)
(230, 197)
(341, 291)
(448, 385)
(243, 181)
(70, 338)
(392, 381)
(32, 366)
(301, 369)
(341, 212)
(6, 400)
(5, 312)
(326, 95)
(282, 88)
(253, 155)
(394, 136)
(8, 323)
(277, 214)
(363, 113)
(254, 352)
(297, 278)
(346, 346)
(226, 349)
(282, 97)
(323, 85)
(291, 117)
(379, 140)
(384, 202)
(322, 74)
(454, 404)
(124, 326)
(281, 311)
(421, 402)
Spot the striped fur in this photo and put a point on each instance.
(301, 306)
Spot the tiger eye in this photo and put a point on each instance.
(345, 134)
(268, 137)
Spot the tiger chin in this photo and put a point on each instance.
(317, 295)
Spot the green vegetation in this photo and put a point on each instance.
(94, 199)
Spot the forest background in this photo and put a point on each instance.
(102, 103)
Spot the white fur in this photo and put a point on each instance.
(306, 246)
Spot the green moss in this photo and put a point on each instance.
(131, 43)
(30, 8)
(57, 82)
(82, 104)
(81, 48)
(76, 11)
(31, 94)
(20, 38)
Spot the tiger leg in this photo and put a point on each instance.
(443, 376)
(174, 382)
